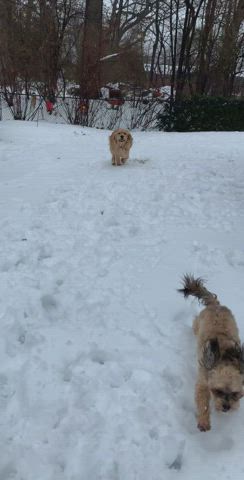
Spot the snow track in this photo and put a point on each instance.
(97, 353)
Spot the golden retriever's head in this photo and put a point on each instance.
(122, 137)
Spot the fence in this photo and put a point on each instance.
(131, 113)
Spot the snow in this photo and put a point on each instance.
(98, 359)
(112, 55)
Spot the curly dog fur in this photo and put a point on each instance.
(220, 354)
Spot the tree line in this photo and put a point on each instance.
(194, 46)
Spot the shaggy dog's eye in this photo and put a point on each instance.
(232, 396)
(235, 396)
(219, 393)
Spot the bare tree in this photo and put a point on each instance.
(125, 16)
(188, 32)
(206, 46)
(55, 17)
(229, 49)
(91, 49)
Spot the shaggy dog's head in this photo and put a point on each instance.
(225, 374)
(225, 384)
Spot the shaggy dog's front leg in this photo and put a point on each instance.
(202, 396)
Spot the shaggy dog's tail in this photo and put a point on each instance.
(195, 287)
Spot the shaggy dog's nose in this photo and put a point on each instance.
(225, 408)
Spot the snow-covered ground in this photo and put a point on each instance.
(97, 355)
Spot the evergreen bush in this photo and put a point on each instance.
(203, 113)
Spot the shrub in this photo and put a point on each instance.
(203, 114)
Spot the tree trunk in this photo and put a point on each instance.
(155, 44)
(191, 16)
(205, 51)
(91, 51)
(228, 55)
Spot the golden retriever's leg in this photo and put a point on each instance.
(117, 160)
(202, 397)
(113, 160)
(124, 160)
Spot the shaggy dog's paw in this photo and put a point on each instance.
(204, 425)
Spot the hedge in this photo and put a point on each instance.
(203, 114)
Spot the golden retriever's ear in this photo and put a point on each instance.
(112, 139)
(130, 139)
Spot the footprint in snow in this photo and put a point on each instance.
(174, 382)
(141, 160)
(48, 302)
(235, 258)
(45, 251)
(174, 448)
(8, 471)
(6, 391)
(98, 356)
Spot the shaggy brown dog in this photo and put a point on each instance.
(120, 143)
(220, 354)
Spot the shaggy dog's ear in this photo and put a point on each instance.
(242, 359)
(235, 354)
(211, 354)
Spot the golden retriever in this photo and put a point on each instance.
(120, 142)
